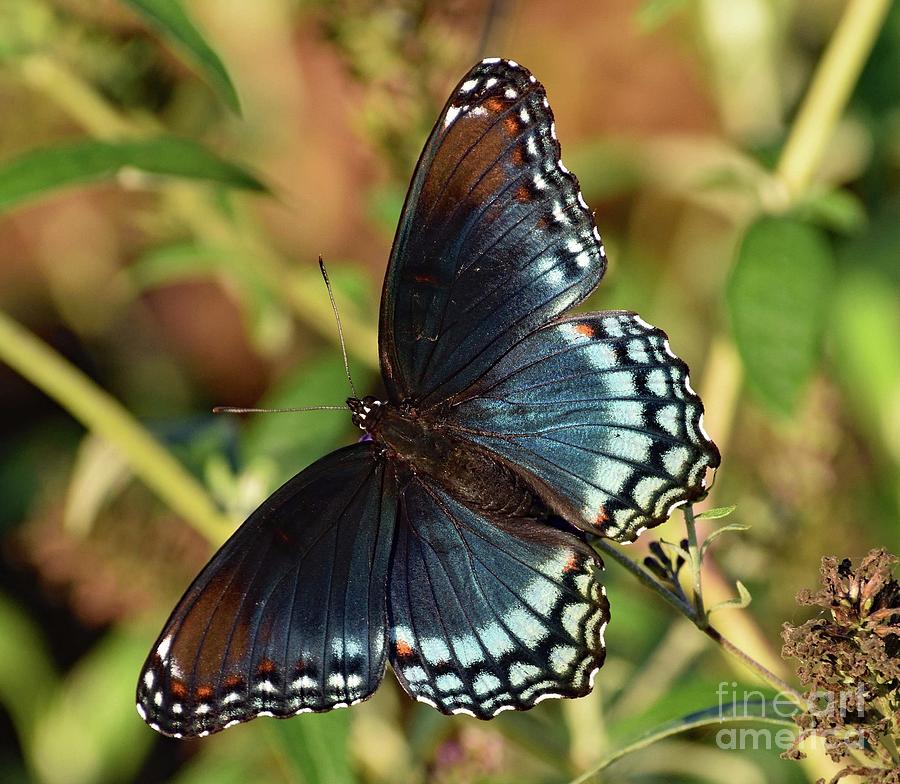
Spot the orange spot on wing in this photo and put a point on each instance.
(518, 157)
(511, 125)
(403, 648)
(266, 665)
(233, 680)
(178, 689)
(588, 331)
(494, 104)
(204, 692)
(523, 194)
(423, 278)
(602, 517)
(573, 564)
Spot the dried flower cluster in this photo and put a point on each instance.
(849, 660)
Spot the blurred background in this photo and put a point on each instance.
(759, 228)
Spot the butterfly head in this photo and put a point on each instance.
(366, 411)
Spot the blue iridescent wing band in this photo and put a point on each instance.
(490, 615)
(495, 239)
(600, 414)
(290, 615)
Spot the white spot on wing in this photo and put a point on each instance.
(490, 82)
(452, 114)
(435, 650)
(703, 429)
(469, 85)
(162, 649)
(141, 712)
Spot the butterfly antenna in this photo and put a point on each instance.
(340, 328)
(236, 410)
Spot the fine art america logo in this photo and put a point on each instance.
(753, 706)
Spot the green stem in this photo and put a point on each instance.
(702, 619)
(828, 93)
(690, 612)
(103, 415)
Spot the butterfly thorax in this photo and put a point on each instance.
(475, 476)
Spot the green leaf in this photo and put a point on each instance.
(715, 513)
(316, 747)
(88, 733)
(713, 535)
(28, 676)
(839, 210)
(170, 18)
(755, 710)
(743, 600)
(40, 171)
(778, 296)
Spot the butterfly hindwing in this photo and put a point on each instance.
(490, 615)
(600, 413)
(495, 238)
(290, 615)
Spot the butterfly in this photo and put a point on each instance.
(452, 540)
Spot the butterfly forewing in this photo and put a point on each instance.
(494, 241)
(488, 615)
(600, 412)
(289, 616)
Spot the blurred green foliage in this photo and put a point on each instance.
(175, 284)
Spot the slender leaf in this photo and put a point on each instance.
(170, 18)
(718, 532)
(88, 733)
(40, 171)
(716, 513)
(743, 600)
(778, 297)
(316, 747)
(758, 710)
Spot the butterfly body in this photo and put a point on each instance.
(451, 541)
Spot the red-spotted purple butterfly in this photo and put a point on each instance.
(451, 543)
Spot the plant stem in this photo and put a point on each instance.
(103, 415)
(691, 613)
(702, 620)
(828, 93)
